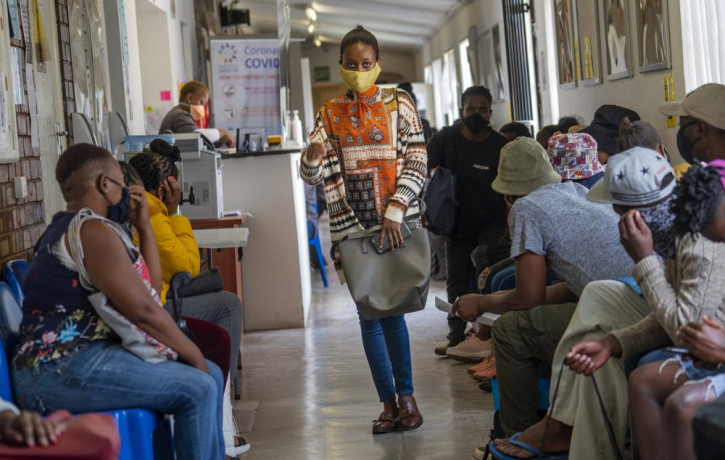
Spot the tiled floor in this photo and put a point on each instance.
(317, 399)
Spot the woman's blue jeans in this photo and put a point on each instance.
(387, 348)
(102, 375)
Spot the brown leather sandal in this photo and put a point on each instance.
(386, 422)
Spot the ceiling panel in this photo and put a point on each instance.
(401, 24)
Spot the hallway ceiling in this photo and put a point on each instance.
(400, 24)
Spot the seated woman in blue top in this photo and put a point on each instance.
(68, 357)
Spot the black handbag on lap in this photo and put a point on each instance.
(207, 281)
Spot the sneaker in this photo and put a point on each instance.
(471, 350)
(488, 371)
(241, 447)
(473, 369)
(485, 385)
(479, 452)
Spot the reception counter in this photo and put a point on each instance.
(276, 275)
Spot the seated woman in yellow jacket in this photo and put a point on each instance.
(178, 251)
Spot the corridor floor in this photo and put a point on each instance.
(317, 399)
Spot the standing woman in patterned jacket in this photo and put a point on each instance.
(368, 148)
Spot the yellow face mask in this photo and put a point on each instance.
(360, 81)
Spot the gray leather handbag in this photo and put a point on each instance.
(383, 282)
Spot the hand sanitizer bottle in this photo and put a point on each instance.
(296, 128)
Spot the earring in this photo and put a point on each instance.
(105, 190)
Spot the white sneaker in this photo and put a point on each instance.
(235, 451)
(471, 350)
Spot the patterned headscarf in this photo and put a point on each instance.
(661, 221)
(574, 156)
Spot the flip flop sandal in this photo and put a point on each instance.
(497, 454)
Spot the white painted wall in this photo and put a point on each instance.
(643, 92)
(390, 61)
(134, 105)
(484, 14)
(159, 58)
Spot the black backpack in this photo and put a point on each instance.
(441, 195)
(441, 201)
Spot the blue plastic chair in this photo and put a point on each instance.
(14, 273)
(314, 243)
(136, 426)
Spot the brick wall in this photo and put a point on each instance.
(22, 221)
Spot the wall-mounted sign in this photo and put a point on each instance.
(245, 85)
(322, 73)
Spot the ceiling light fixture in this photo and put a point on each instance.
(317, 42)
(311, 13)
(311, 28)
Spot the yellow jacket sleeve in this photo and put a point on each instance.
(175, 241)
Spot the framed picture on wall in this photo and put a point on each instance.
(616, 36)
(564, 43)
(587, 33)
(653, 33)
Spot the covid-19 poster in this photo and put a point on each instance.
(245, 86)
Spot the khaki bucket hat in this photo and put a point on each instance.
(524, 166)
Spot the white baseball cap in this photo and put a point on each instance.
(636, 177)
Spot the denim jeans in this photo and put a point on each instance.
(387, 349)
(102, 375)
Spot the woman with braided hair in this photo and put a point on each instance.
(672, 390)
(178, 251)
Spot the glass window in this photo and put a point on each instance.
(703, 21)
(466, 76)
(450, 87)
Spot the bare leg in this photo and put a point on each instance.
(484, 332)
(678, 413)
(648, 390)
(557, 439)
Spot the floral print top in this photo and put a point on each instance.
(57, 316)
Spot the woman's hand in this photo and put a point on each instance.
(635, 235)
(589, 355)
(705, 340)
(225, 137)
(314, 152)
(172, 194)
(138, 211)
(28, 428)
(391, 231)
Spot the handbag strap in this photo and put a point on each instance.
(179, 280)
(376, 228)
(75, 244)
(610, 428)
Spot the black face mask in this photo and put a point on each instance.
(684, 145)
(476, 123)
(117, 212)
